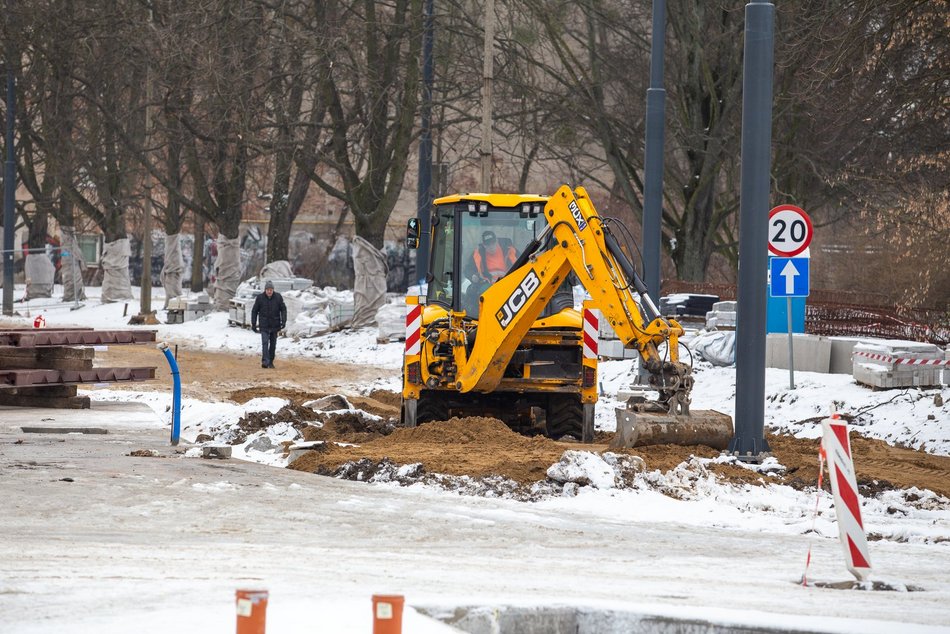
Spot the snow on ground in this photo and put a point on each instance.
(688, 496)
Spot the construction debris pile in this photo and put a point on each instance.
(332, 436)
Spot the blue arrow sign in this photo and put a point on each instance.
(789, 277)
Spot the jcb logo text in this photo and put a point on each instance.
(518, 299)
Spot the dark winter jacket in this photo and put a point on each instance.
(271, 310)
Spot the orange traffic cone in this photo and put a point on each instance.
(387, 613)
(251, 611)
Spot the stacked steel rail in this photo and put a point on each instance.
(44, 367)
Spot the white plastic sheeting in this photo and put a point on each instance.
(39, 272)
(227, 271)
(369, 285)
(316, 311)
(391, 320)
(72, 267)
(716, 346)
(173, 268)
(116, 285)
(276, 269)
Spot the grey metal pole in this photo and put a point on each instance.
(424, 199)
(791, 348)
(9, 183)
(653, 159)
(749, 442)
(488, 64)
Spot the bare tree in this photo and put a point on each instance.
(212, 96)
(295, 111)
(371, 86)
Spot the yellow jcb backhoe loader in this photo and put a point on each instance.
(497, 334)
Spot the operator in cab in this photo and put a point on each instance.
(492, 258)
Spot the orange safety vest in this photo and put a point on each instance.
(493, 265)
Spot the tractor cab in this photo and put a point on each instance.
(475, 240)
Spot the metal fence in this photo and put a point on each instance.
(849, 314)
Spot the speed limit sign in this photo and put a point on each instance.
(790, 231)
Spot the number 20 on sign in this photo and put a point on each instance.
(790, 231)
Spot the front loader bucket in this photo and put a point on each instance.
(700, 427)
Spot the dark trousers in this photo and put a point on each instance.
(268, 346)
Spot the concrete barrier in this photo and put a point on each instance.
(812, 353)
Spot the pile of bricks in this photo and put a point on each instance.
(890, 364)
(43, 368)
(722, 316)
(185, 308)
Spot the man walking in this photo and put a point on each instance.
(269, 306)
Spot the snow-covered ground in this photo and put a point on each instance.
(683, 543)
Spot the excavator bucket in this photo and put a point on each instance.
(700, 427)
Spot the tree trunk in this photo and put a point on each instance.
(278, 229)
(695, 239)
(198, 256)
(372, 227)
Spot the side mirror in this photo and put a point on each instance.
(412, 234)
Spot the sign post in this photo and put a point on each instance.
(790, 233)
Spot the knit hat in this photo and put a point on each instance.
(268, 285)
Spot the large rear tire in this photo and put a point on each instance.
(565, 417)
(431, 408)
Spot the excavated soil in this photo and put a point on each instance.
(482, 447)
(476, 446)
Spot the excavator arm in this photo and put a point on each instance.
(576, 240)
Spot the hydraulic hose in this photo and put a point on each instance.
(176, 394)
(631, 273)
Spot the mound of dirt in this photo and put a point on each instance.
(379, 402)
(483, 447)
(265, 391)
(295, 415)
(349, 427)
(474, 446)
(877, 465)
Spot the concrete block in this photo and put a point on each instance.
(284, 284)
(878, 376)
(841, 350)
(222, 452)
(196, 313)
(728, 307)
(604, 330)
(898, 348)
(298, 449)
(886, 373)
(339, 314)
(721, 318)
(812, 353)
(613, 349)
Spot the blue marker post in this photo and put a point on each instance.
(176, 395)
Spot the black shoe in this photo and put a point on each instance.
(271, 366)
(264, 365)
